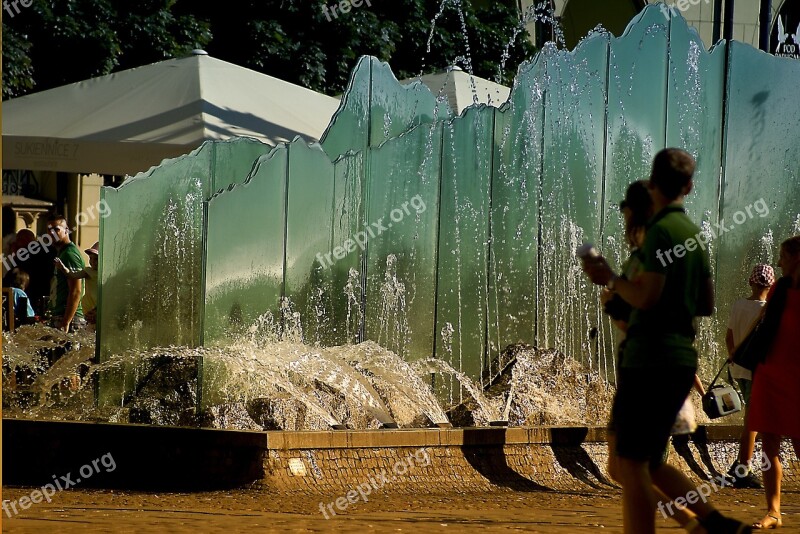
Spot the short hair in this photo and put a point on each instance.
(673, 169)
(55, 217)
(792, 245)
(20, 279)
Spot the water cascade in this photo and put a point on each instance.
(410, 235)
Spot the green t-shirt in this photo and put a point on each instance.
(71, 257)
(664, 334)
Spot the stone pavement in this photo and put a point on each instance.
(256, 511)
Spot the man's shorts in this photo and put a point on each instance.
(645, 407)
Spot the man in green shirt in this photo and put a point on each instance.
(65, 293)
(658, 360)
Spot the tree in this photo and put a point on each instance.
(54, 43)
(301, 41)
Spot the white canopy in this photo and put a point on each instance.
(126, 122)
(462, 90)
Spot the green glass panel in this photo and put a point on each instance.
(349, 220)
(516, 176)
(635, 128)
(694, 113)
(233, 160)
(403, 205)
(349, 127)
(694, 123)
(395, 109)
(461, 303)
(152, 256)
(244, 250)
(636, 124)
(152, 264)
(568, 314)
(761, 199)
(309, 219)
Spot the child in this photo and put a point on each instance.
(18, 280)
(89, 300)
(743, 314)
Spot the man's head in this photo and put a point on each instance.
(671, 177)
(57, 229)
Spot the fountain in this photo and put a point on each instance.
(303, 286)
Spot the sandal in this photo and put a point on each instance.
(767, 524)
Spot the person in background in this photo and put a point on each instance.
(18, 281)
(776, 381)
(37, 261)
(65, 293)
(89, 274)
(744, 313)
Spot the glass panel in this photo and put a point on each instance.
(348, 223)
(761, 202)
(461, 303)
(395, 109)
(349, 127)
(516, 174)
(636, 129)
(244, 263)
(244, 250)
(694, 123)
(233, 160)
(403, 198)
(571, 197)
(152, 263)
(308, 240)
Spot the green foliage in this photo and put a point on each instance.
(54, 43)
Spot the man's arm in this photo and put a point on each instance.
(642, 293)
(73, 300)
(76, 275)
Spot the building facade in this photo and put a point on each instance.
(578, 17)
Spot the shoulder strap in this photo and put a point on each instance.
(711, 385)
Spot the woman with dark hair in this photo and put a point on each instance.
(776, 381)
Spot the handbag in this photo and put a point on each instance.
(720, 400)
(756, 345)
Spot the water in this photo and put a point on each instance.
(259, 382)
